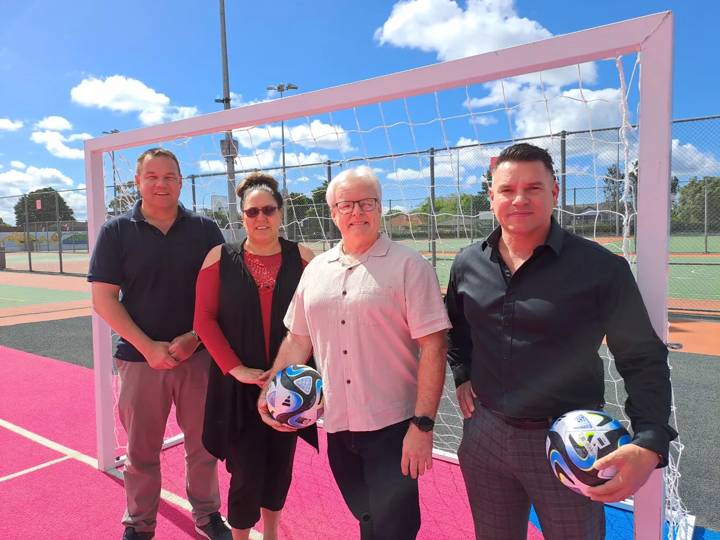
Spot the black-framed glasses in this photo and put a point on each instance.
(366, 205)
(254, 212)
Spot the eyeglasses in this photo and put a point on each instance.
(366, 205)
(254, 212)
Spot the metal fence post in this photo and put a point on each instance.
(28, 240)
(431, 220)
(563, 179)
(192, 186)
(59, 230)
(705, 213)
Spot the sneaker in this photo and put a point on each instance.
(131, 534)
(215, 529)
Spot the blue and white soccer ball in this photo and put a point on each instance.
(576, 441)
(295, 396)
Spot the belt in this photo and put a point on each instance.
(522, 423)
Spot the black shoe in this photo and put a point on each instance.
(215, 529)
(131, 534)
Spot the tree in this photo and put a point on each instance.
(318, 194)
(50, 201)
(689, 213)
(125, 197)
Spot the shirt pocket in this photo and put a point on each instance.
(377, 306)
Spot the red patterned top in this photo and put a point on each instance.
(264, 270)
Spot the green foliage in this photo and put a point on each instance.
(689, 212)
(318, 194)
(467, 205)
(50, 202)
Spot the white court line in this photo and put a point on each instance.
(69, 453)
(33, 469)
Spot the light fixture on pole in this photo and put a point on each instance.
(281, 89)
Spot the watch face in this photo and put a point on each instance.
(424, 423)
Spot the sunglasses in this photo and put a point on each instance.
(254, 212)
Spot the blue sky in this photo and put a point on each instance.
(71, 70)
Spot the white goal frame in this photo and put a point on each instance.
(650, 36)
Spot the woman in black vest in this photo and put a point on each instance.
(242, 294)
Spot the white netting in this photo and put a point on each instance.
(432, 154)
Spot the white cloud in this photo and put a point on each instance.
(18, 165)
(688, 160)
(16, 182)
(259, 159)
(301, 158)
(54, 123)
(450, 31)
(123, 94)
(316, 134)
(54, 142)
(211, 166)
(79, 137)
(10, 125)
(443, 27)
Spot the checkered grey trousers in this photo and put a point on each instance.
(505, 471)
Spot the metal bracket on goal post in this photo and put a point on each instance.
(649, 36)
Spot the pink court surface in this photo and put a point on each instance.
(50, 486)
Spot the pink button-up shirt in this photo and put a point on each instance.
(363, 314)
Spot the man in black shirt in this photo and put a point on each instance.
(530, 307)
(152, 255)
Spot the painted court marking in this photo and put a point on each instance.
(69, 453)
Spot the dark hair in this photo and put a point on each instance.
(259, 181)
(526, 152)
(153, 153)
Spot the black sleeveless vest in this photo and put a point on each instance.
(231, 407)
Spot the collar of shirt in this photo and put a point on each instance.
(378, 249)
(137, 215)
(554, 239)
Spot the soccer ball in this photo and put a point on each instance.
(295, 396)
(576, 441)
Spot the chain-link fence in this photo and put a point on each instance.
(442, 206)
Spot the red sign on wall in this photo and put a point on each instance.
(38, 204)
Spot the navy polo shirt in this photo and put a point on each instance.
(156, 272)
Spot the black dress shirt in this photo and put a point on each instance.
(530, 341)
(156, 272)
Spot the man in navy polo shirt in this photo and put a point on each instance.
(152, 255)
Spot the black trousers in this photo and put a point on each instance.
(366, 467)
(260, 462)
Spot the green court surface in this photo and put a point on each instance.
(15, 296)
(693, 281)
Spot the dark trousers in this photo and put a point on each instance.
(260, 463)
(366, 467)
(505, 470)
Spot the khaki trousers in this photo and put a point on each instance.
(146, 396)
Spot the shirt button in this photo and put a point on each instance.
(344, 351)
(342, 322)
(348, 381)
(344, 293)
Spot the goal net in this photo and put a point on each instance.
(430, 135)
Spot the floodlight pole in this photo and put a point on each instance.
(281, 89)
(228, 146)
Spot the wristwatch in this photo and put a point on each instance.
(423, 423)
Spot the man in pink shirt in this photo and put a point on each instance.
(371, 312)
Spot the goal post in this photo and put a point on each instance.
(650, 37)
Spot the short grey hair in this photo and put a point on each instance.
(359, 174)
